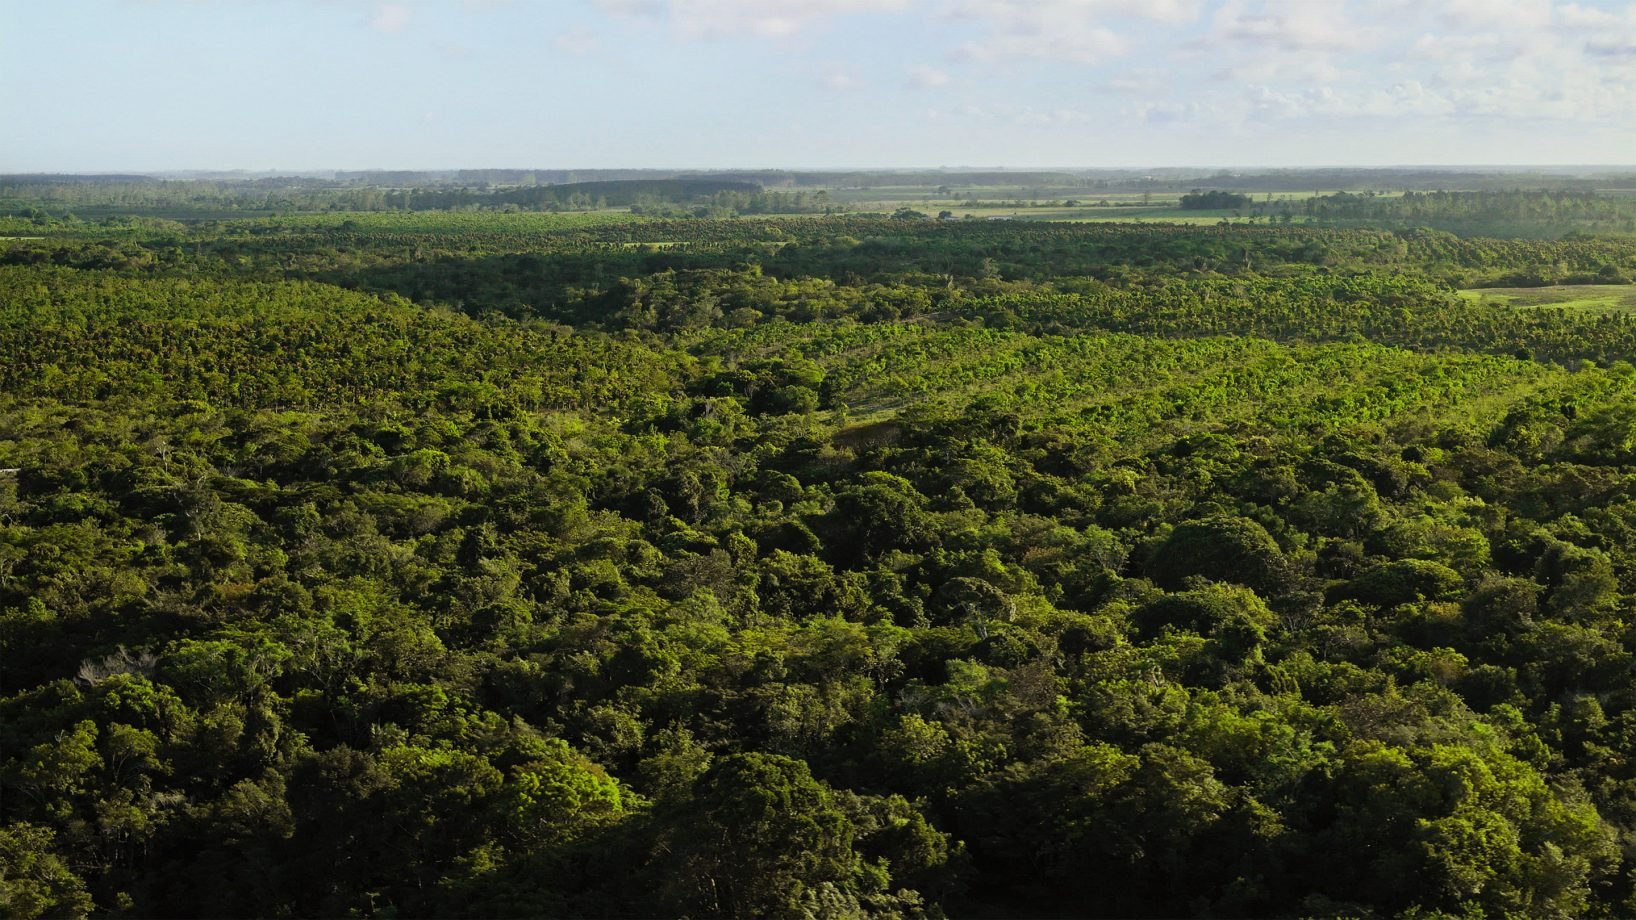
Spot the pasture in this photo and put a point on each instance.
(1589, 298)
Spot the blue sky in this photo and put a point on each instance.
(97, 85)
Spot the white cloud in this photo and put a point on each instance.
(1160, 113)
(1013, 116)
(1069, 13)
(1579, 16)
(1612, 47)
(1229, 62)
(1050, 118)
(390, 18)
(1533, 61)
(714, 19)
(1286, 68)
(1403, 100)
(1069, 30)
(1085, 46)
(838, 78)
(1290, 25)
(1408, 98)
(651, 9)
(1509, 15)
(1432, 47)
(1132, 83)
(578, 40)
(1064, 29)
(922, 76)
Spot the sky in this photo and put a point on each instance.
(145, 85)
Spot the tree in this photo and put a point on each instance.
(1220, 548)
(1214, 200)
(34, 881)
(758, 834)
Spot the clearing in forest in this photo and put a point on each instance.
(1598, 298)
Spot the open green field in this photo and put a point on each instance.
(1595, 298)
(1166, 213)
(1066, 204)
(1053, 203)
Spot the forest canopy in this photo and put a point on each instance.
(466, 563)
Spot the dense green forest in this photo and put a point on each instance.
(1510, 212)
(457, 563)
(41, 198)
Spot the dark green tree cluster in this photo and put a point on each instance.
(1521, 212)
(1214, 200)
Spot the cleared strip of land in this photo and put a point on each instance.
(1598, 298)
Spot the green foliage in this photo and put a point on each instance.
(1220, 549)
(1512, 212)
(34, 881)
(479, 564)
(1213, 200)
(758, 834)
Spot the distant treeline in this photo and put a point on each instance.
(1512, 212)
(1514, 204)
(617, 193)
(1213, 200)
(782, 178)
(1516, 212)
(1304, 180)
(1318, 180)
(1169, 179)
(402, 177)
(713, 197)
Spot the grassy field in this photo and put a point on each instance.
(1593, 298)
(1165, 213)
(1054, 203)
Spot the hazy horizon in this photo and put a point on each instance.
(1577, 169)
(318, 85)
